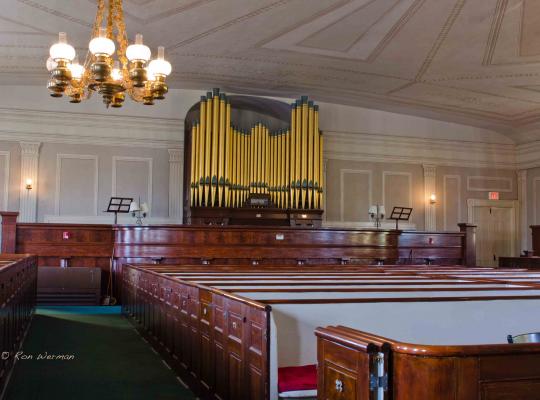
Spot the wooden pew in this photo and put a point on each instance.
(349, 359)
(409, 300)
(18, 277)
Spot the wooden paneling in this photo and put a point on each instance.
(220, 342)
(485, 372)
(18, 277)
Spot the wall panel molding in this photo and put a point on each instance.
(359, 146)
(397, 173)
(175, 183)
(58, 194)
(430, 216)
(445, 205)
(536, 211)
(149, 189)
(471, 187)
(342, 173)
(7, 165)
(29, 170)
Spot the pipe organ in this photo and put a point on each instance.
(233, 167)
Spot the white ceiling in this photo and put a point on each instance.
(471, 61)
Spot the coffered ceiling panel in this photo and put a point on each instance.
(469, 61)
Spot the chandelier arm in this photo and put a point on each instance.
(110, 16)
(121, 37)
(89, 59)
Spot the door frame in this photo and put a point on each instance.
(513, 204)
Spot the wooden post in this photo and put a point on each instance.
(9, 229)
(535, 239)
(469, 244)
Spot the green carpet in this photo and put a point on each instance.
(111, 361)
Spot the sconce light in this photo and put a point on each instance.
(28, 183)
(432, 198)
(376, 213)
(138, 212)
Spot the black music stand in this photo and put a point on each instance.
(119, 205)
(401, 214)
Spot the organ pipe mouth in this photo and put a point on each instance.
(229, 165)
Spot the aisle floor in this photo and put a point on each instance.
(99, 355)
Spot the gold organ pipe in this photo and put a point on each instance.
(193, 160)
(208, 152)
(277, 168)
(316, 156)
(221, 152)
(261, 158)
(303, 172)
(291, 154)
(232, 169)
(240, 167)
(215, 144)
(251, 163)
(201, 150)
(245, 169)
(321, 172)
(310, 153)
(287, 162)
(271, 169)
(267, 157)
(297, 154)
(228, 153)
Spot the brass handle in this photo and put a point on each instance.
(204, 311)
(339, 386)
(234, 325)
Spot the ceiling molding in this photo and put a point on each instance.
(398, 149)
(97, 129)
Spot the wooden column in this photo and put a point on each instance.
(535, 239)
(523, 218)
(9, 230)
(469, 244)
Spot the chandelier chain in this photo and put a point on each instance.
(143, 79)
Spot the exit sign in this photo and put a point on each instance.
(494, 195)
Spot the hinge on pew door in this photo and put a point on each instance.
(378, 381)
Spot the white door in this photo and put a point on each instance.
(496, 230)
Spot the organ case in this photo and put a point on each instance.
(253, 176)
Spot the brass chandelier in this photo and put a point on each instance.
(131, 72)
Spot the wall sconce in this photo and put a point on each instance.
(432, 198)
(138, 212)
(28, 184)
(376, 213)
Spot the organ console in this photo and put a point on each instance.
(234, 170)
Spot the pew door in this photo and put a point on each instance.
(496, 232)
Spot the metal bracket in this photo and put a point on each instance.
(376, 382)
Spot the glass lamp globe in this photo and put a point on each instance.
(102, 45)
(77, 70)
(138, 51)
(116, 73)
(51, 64)
(160, 66)
(62, 50)
(150, 75)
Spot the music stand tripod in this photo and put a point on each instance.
(400, 214)
(119, 205)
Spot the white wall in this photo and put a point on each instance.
(370, 155)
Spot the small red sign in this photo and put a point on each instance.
(494, 195)
(65, 235)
